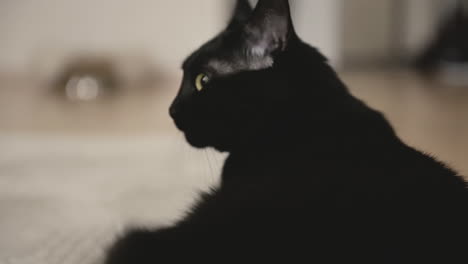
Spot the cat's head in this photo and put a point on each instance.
(238, 83)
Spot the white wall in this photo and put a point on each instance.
(46, 30)
(318, 22)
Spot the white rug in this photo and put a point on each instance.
(63, 199)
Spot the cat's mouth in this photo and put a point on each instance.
(195, 140)
(203, 139)
(206, 132)
(180, 125)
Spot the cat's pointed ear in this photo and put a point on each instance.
(270, 27)
(241, 14)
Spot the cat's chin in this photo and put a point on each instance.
(195, 142)
(201, 143)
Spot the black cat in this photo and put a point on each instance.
(313, 174)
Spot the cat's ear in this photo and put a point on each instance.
(241, 14)
(269, 27)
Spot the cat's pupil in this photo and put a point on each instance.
(205, 79)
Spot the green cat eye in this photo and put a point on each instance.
(200, 81)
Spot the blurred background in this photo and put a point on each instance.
(86, 144)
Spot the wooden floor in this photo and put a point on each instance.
(73, 175)
(427, 114)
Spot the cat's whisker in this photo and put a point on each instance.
(209, 163)
(218, 162)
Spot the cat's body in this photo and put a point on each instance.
(313, 174)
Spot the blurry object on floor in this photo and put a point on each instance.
(90, 77)
(446, 56)
(87, 78)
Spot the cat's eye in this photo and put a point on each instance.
(201, 81)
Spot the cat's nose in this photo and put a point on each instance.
(174, 109)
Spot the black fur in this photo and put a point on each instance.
(313, 174)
